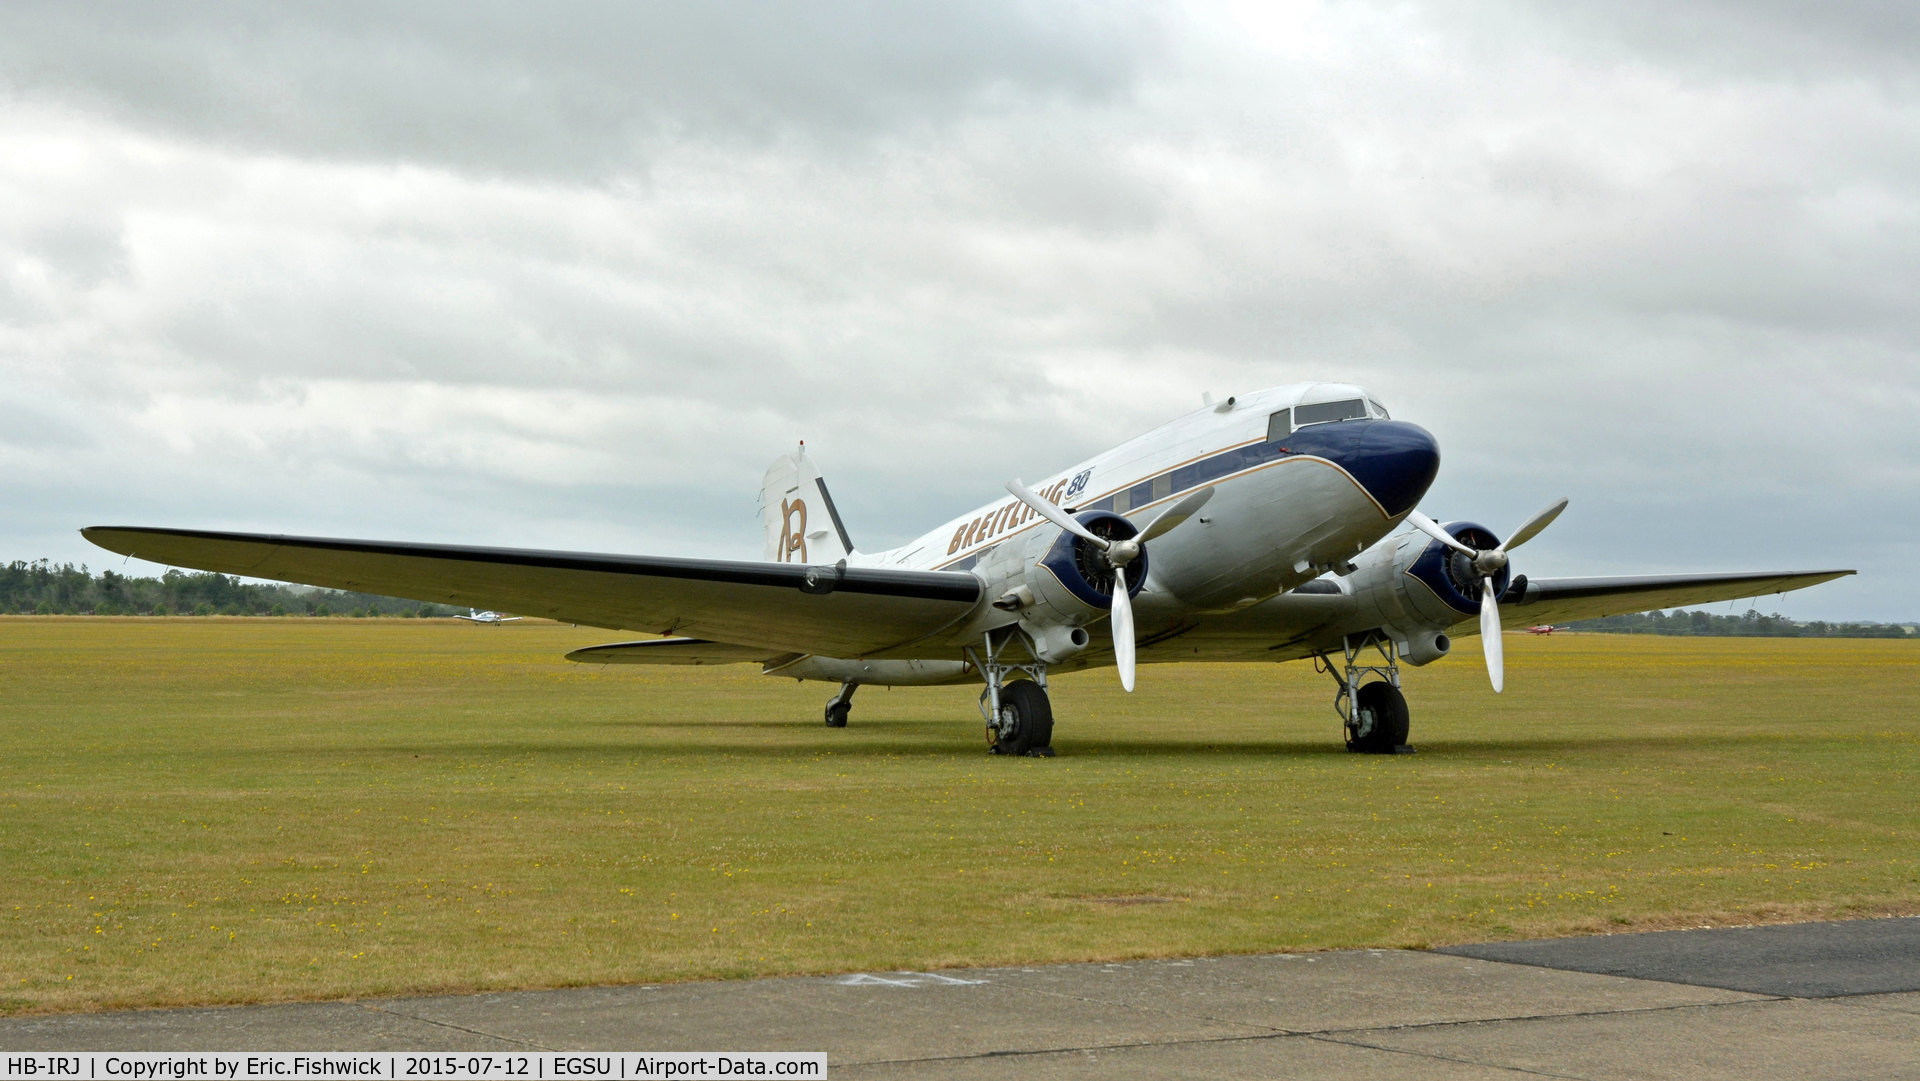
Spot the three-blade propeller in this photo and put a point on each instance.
(1119, 553)
(1486, 564)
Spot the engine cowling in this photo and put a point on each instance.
(1420, 587)
(1070, 579)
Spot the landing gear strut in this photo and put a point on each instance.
(840, 705)
(1019, 717)
(1375, 714)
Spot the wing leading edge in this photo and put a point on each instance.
(774, 607)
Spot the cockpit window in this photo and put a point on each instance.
(1279, 426)
(1377, 410)
(1322, 412)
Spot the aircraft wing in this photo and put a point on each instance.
(1560, 600)
(1305, 622)
(775, 607)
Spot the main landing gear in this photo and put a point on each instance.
(1019, 717)
(1375, 715)
(840, 705)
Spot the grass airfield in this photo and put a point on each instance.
(223, 811)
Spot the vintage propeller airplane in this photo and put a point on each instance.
(475, 615)
(1261, 528)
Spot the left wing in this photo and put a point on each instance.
(1317, 617)
(837, 610)
(1560, 600)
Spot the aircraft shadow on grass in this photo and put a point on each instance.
(919, 739)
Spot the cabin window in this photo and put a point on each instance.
(1279, 426)
(1323, 412)
(1163, 486)
(1121, 503)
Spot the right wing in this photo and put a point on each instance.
(775, 608)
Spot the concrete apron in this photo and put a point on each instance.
(1837, 1000)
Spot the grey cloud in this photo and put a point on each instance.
(1874, 40)
(573, 284)
(27, 426)
(581, 89)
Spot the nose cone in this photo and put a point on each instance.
(1393, 460)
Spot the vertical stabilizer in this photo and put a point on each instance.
(801, 523)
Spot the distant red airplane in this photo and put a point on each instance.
(1544, 628)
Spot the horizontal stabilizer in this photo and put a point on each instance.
(670, 651)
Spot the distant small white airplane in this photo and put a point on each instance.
(1272, 521)
(474, 615)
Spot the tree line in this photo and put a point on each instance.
(1750, 625)
(42, 588)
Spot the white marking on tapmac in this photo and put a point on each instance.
(904, 979)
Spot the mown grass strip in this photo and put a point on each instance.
(201, 811)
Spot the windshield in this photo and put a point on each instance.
(1322, 412)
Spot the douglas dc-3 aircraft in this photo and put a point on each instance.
(1261, 528)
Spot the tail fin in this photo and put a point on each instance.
(801, 523)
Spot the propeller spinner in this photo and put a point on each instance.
(1488, 562)
(1119, 553)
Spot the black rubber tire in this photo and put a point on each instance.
(837, 714)
(1033, 718)
(1390, 719)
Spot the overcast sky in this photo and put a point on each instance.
(571, 278)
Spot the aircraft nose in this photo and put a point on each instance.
(1394, 461)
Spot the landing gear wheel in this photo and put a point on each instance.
(1026, 721)
(840, 705)
(1380, 720)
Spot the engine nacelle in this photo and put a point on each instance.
(1071, 581)
(1053, 583)
(1420, 587)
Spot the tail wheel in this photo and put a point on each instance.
(1026, 721)
(1380, 720)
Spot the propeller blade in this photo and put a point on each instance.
(1175, 514)
(1490, 641)
(1054, 514)
(1432, 529)
(1121, 618)
(1533, 527)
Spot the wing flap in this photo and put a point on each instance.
(780, 607)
